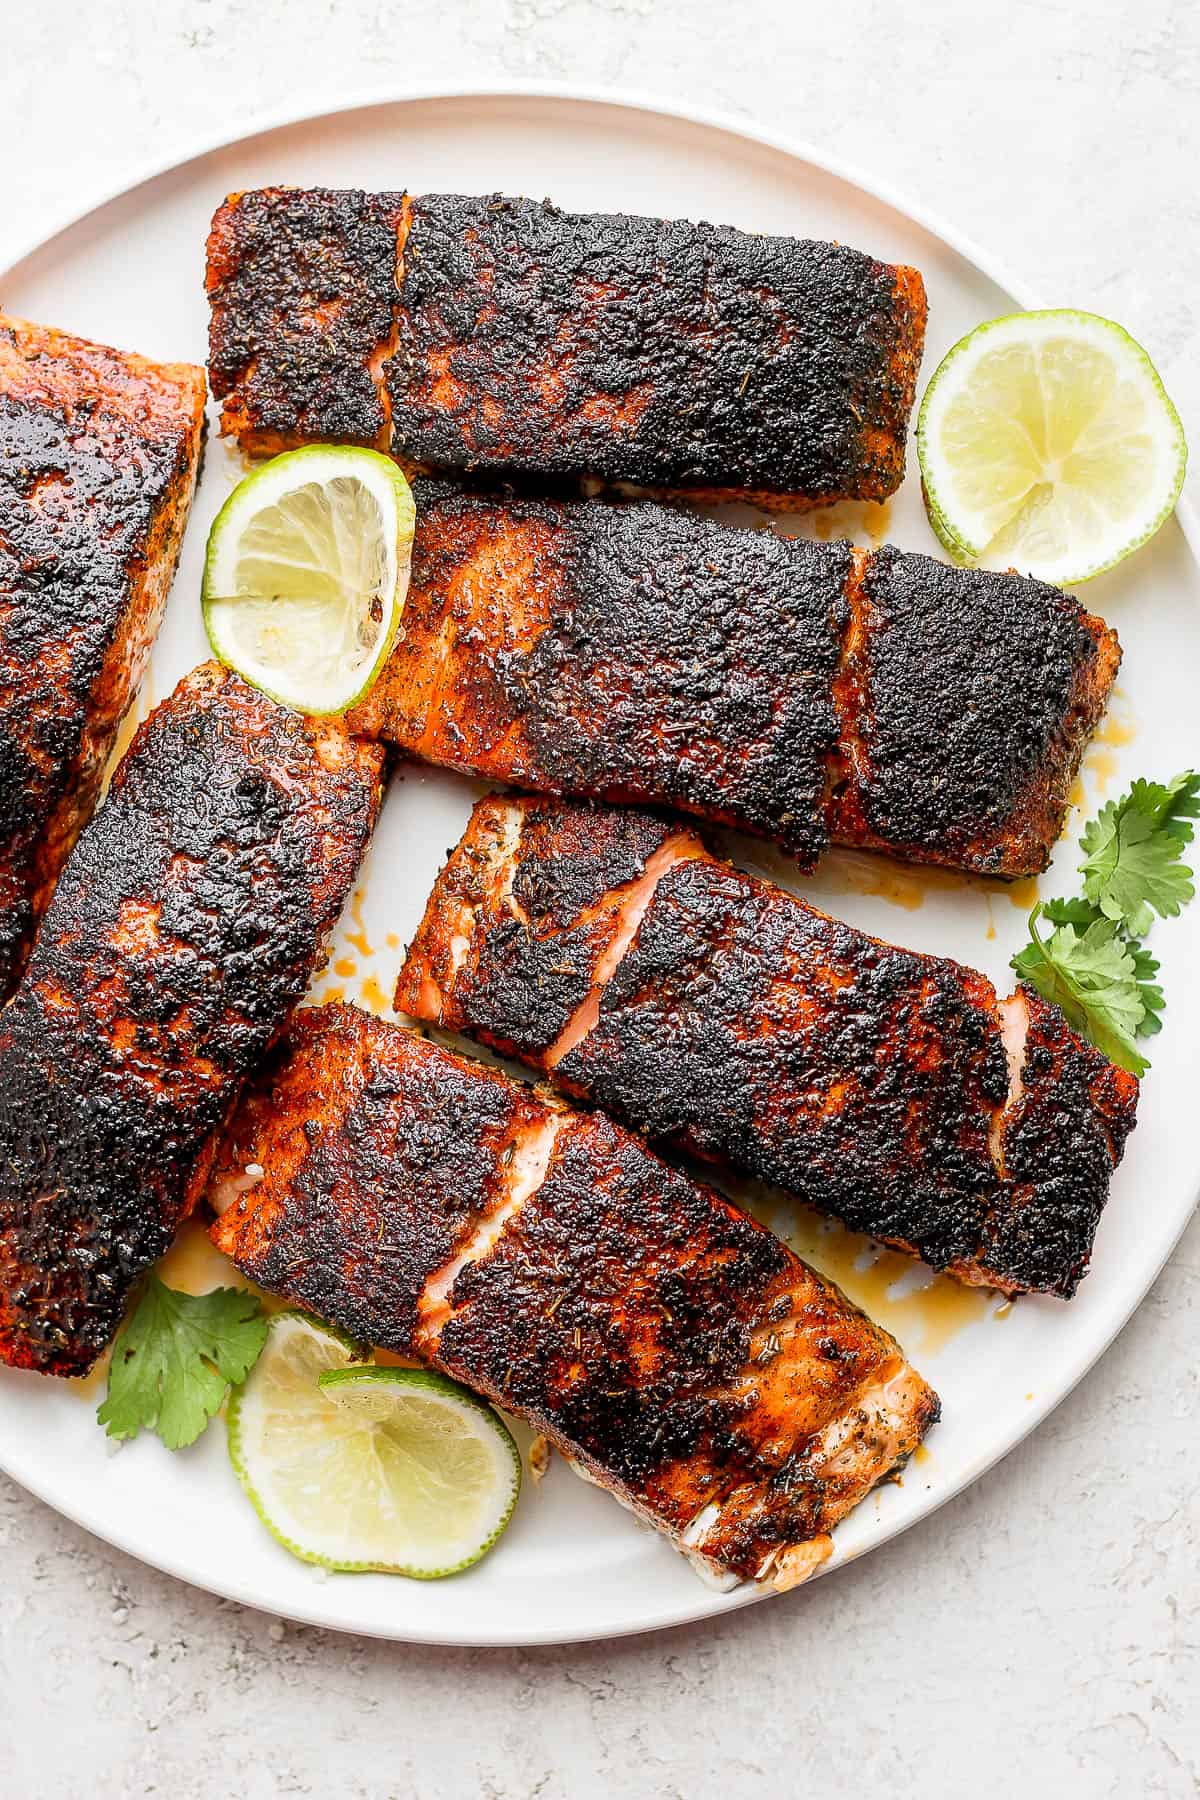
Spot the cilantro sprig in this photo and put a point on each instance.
(1093, 963)
(1090, 974)
(1132, 864)
(174, 1358)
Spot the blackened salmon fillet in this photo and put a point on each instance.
(506, 336)
(717, 1013)
(100, 449)
(673, 1349)
(806, 692)
(184, 928)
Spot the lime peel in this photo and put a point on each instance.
(1047, 443)
(306, 575)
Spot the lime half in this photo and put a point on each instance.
(1047, 444)
(356, 1466)
(307, 573)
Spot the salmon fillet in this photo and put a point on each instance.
(505, 336)
(96, 481)
(673, 1349)
(184, 928)
(302, 287)
(806, 692)
(719, 1014)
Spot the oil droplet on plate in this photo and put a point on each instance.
(193, 1264)
(924, 1311)
(373, 996)
(1023, 894)
(853, 872)
(1101, 765)
(1116, 732)
(358, 937)
(853, 519)
(138, 709)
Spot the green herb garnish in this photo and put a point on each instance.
(1092, 977)
(175, 1357)
(1132, 850)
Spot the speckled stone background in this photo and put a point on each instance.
(1040, 1635)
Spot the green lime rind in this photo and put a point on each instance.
(956, 551)
(957, 541)
(306, 465)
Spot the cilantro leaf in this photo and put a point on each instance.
(1080, 913)
(1145, 968)
(175, 1356)
(1092, 976)
(1132, 865)
(1178, 804)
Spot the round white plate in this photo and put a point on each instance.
(574, 1565)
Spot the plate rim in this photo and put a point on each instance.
(312, 109)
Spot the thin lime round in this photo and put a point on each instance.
(1048, 444)
(307, 572)
(359, 1467)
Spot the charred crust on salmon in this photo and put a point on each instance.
(610, 1221)
(719, 1014)
(1062, 1137)
(673, 1349)
(872, 1099)
(183, 930)
(974, 697)
(506, 336)
(403, 1127)
(736, 640)
(97, 471)
(676, 355)
(801, 691)
(302, 287)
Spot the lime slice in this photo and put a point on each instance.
(1047, 444)
(356, 1466)
(307, 573)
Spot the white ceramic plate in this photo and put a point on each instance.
(574, 1565)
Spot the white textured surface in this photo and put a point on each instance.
(1040, 1634)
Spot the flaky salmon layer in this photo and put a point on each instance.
(184, 928)
(673, 1349)
(96, 481)
(805, 692)
(717, 1013)
(496, 335)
